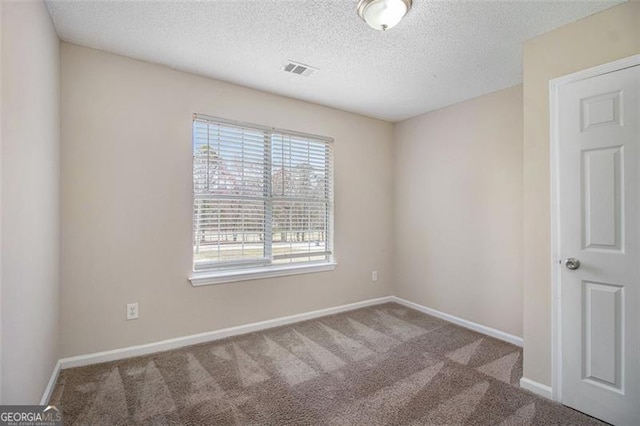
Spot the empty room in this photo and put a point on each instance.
(305, 212)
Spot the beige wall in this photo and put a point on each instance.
(601, 38)
(458, 198)
(1, 73)
(30, 200)
(126, 204)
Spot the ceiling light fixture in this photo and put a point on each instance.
(383, 14)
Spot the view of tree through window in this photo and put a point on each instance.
(261, 197)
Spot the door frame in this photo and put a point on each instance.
(556, 247)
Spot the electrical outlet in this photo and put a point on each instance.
(374, 275)
(132, 311)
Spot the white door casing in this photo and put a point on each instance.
(597, 144)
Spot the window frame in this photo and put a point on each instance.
(226, 272)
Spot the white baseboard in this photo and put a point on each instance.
(510, 338)
(52, 382)
(536, 387)
(194, 339)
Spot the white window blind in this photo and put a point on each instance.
(262, 196)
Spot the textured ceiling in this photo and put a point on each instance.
(443, 52)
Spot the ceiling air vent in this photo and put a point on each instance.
(298, 68)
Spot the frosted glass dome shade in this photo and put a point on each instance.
(383, 14)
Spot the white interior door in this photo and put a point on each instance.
(599, 193)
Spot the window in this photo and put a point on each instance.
(262, 199)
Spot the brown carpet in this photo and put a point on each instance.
(374, 366)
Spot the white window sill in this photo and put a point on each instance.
(220, 277)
